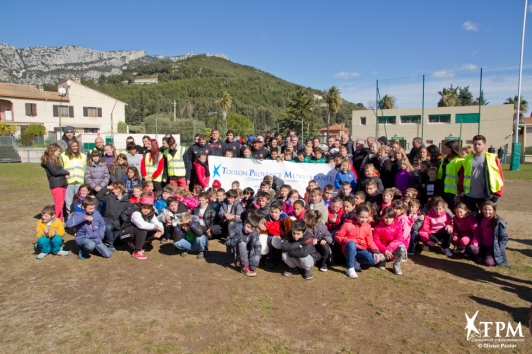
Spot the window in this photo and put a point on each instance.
(469, 142)
(64, 111)
(92, 112)
(440, 118)
(467, 118)
(31, 109)
(362, 120)
(386, 119)
(429, 142)
(411, 119)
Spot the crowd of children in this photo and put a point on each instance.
(356, 221)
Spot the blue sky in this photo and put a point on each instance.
(313, 43)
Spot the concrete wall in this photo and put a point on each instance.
(495, 124)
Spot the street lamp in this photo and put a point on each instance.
(62, 93)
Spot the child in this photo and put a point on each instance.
(160, 203)
(299, 251)
(274, 182)
(346, 190)
(109, 155)
(141, 224)
(360, 197)
(322, 237)
(90, 228)
(318, 156)
(370, 175)
(248, 202)
(308, 153)
(302, 157)
(311, 185)
(328, 194)
(490, 238)
(349, 210)
(273, 226)
(202, 170)
(96, 172)
(336, 210)
(437, 225)
(299, 209)
(188, 236)
(235, 185)
(318, 205)
(245, 247)
(403, 178)
(288, 157)
(400, 209)
(263, 204)
(116, 202)
(387, 199)
(433, 187)
(134, 159)
(230, 213)
(131, 179)
(147, 187)
(283, 193)
(274, 156)
(373, 196)
(464, 228)
(357, 243)
(170, 217)
(288, 205)
(117, 170)
(185, 197)
(417, 217)
(228, 153)
(412, 193)
(135, 197)
(50, 233)
(389, 240)
(83, 191)
(345, 175)
(205, 214)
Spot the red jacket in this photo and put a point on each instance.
(158, 171)
(334, 225)
(274, 227)
(388, 237)
(360, 234)
(200, 174)
(465, 227)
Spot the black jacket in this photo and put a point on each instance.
(113, 206)
(234, 145)
(216, 147)
(208, 217)
(302, 247)
(261, 154)
(55, 174)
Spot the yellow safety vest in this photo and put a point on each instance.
(175, 164)
(494, 175)
(151, 167)
(75, 167)
(452, 170)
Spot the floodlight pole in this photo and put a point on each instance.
(423, 113)
(479, 103)
(376, 113)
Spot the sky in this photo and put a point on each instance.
(318, 44)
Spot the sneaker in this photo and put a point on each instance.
(82, 256)
(269, 263)
(41, 255)
(290, 271)
(458, 250)
(405, 258)
(382, 265)
(183, 254)
(447, 252)
(112, 248)
(139, 255)
(163, 241)
(323, 267)
(397, 268)
(62, 253)
(239, 263)
(201, 255)
(425, 248)
(357, 266)
(247, 271)
(410, 253)
(308, 274)
(351, 273)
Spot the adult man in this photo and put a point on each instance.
(257, 150)
(483, 178)
(140, 149)
(330, 145)
(177, 166)
(216, 144)
(146, 140)
(297, 144)
(134, 159)
(267, 137)
(231, 143)
(416, 145)
(68, 134)
(99, 147)
(500, 153)
(369, 141)
(359, 155)
(316, 143)
(347, 141)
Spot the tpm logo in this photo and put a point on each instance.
(488, 331)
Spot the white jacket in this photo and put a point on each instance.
(175, 217)
(138, 220)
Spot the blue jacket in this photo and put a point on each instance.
(500, 240)
(160, 204)
(342, 177)
(83, 228)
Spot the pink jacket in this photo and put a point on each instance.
(406, 226)
(434, 223)
(387, 237)
(360, 234)
(465, 227)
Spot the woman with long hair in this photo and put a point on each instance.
(435, 157)
(57, 176)
(449, 172)
(74, 161)
(152, 166)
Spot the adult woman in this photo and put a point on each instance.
(435, 157)
(449, 172)
(274, 146)
(57, 176)
(152, 166)
(384, 166)
(74, 162)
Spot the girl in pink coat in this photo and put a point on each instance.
(388, 237)
(405, 221)
(464, 227)
(437, 226)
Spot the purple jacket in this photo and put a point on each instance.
(83, 228)
(403, 180)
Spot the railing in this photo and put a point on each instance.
(9, 141)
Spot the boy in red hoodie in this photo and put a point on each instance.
(336, 210)
(273, 227)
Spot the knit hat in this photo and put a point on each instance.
(68, 128)
(216, 184)
(146, 200)
(383, 140)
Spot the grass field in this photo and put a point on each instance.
(170, 304)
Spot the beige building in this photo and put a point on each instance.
(440, 124)
(87, 110)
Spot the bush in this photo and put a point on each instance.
(7, 129)
(122, 128)
(27, 138)
(137, 129)
(35, 130)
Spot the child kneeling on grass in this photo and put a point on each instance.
(50, 234)
(299, 251)
(90, 228)
(389, 238)
(245, 245)
(188, 236)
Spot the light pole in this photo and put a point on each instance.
(62, 93)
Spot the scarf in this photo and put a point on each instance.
(205, 166)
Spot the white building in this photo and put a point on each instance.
(87, 110)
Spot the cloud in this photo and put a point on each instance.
(374, 72)
(471, 26)
(346, 75)
(442, 74)
(529, 8)
(468, 67)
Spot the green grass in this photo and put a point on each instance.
(524, 173)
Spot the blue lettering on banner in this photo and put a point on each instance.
(227, 171)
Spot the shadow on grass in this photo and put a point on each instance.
(525, 242)
(519, 314)
(525, 252)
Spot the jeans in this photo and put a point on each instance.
(362, 256)
(305, 263)
(414, 239)
(49, 245)
(197, 245)
(86, 246)
(59, 193)
(71, 191)
(242, 253)
(110, 234)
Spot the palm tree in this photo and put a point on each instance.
(225, 103)
(523, 106)
(333, 100)
(449, 97)
(387, 102)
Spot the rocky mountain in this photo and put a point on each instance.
(40, 65)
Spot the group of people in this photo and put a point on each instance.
(382, 205)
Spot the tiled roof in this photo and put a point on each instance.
(526, 120)
(336, 126)
(28, 91)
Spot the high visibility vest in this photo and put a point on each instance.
(494, 176)
(175, 164)
(452, 170)
(151, 167)
(75, 167)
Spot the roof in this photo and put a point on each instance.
(28, 91)
(336, 126)
(87, 87)
(526, 120)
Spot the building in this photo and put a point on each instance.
(87, 110)
(335, 130)
(440, 124)
(146, 80)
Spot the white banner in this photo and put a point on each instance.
(250, 173)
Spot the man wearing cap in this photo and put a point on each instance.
(231, 143)
(383, 141)
(257, 150)
(215, 144)
(68, 135)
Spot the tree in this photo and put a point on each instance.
(7, 129)
(122, 128)
(387, 102)
(481, 99)
(523, 104)
(449, 97)
(236, 122)
(35, 130)
(333, 100)
(298, 110)
(224, 103)
(465, 97)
